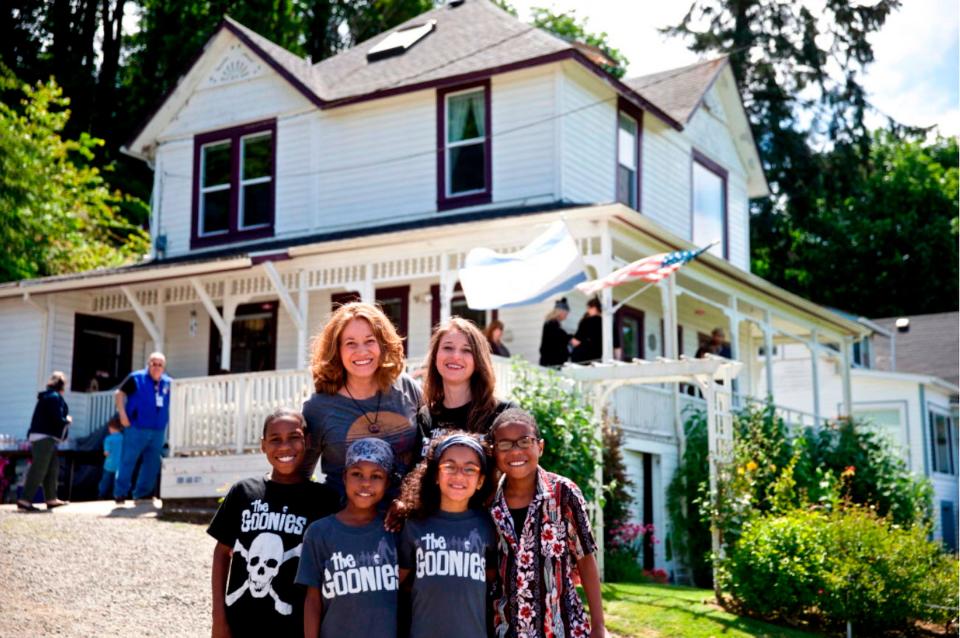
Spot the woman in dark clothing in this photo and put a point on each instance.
(555, 341)
(589, 334)
(494, 334)
(47, 428)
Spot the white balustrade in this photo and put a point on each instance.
(226, 413)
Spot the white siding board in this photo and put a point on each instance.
(589, 121)
(522, 105)
(21, 336)
(665, 187)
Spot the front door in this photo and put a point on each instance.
(102, 353)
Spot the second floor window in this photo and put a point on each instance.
(234, 184)
(464, 170)
(627, 163)
(709, 191)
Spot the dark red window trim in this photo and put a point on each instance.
(699, 158)
(472, 199)
(233, 234)
(632, 313)
(631, 110)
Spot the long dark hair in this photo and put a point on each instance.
(420, 491)
(482, 382)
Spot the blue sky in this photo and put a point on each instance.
(914, 79)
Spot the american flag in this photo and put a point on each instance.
(652, 268)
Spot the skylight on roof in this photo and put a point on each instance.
(398, 42)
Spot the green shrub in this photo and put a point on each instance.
(564, 416)
(689, 537)
(777, 567)
(848, 565)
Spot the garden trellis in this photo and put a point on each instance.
(712, 374)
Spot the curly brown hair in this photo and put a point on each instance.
(420, 492)
(329, 374)
(482, 381)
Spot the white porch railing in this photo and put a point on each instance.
(221, 414)
(226, 413)
(90, 410)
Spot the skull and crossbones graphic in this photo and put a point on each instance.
(264, 559)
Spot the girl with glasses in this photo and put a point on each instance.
(448, 545)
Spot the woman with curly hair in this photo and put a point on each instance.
(361, 391)
(459, 384)
(448, 546)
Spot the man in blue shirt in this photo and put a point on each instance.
(143, 403)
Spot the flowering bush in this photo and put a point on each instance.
(624, 553)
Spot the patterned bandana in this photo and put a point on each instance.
(375, 451)
(465, 440)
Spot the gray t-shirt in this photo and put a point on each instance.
(355, 569)
(448, 555)
(335, 421)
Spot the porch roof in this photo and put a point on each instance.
(622, 219)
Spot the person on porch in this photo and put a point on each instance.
(143, 404)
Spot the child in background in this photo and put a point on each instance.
(545, 538)
(448, 543)
(112, 448)
(259, 530)
(349, 562)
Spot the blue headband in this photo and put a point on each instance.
(370, 449)
(466, 441)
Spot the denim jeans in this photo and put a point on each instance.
(106, 484)
(139, 442)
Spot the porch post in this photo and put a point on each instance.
(297, 315)
(845, 345)
(155, 332)
(367, 293)
(222, 325)
(668, 299)
(606, 295)
(815, 378)
(448, 281)
(768, 351)
(226, 337)
(733, 316)
(303, 339)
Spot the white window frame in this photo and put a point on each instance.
(937, 410)
(447, 144)
(621, 115)
(252, 181)
(212, 189)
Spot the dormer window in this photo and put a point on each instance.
(464, 166)
(233, 194)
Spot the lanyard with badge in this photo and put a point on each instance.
(158, 395)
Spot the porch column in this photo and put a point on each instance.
(297, 314)
(814, 347)
(733, 317)
(366, 290)
(768, 351)
(606, 295)
(155, 331)
(845, 345)
(223, 325)
(668, 299)
(448, 282)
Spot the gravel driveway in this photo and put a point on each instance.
(68, 574)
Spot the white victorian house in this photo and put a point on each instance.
(282, 187)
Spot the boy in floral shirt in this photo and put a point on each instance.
(544, 540)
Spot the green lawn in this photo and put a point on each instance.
(659, 611)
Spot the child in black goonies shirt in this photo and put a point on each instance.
(259, 530)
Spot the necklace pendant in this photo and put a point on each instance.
(373, 428)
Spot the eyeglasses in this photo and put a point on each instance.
(451, 469)
(523, 443)
(154, 364)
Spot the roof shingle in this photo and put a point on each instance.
(679, 91)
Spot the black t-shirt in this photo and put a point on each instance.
(433, 424)
(264, 522)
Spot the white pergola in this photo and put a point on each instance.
(713, 375)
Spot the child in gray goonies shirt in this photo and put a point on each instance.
(448, 546)
(349, 562)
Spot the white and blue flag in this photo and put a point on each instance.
(549, 265)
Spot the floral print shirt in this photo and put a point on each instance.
(537, 567)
